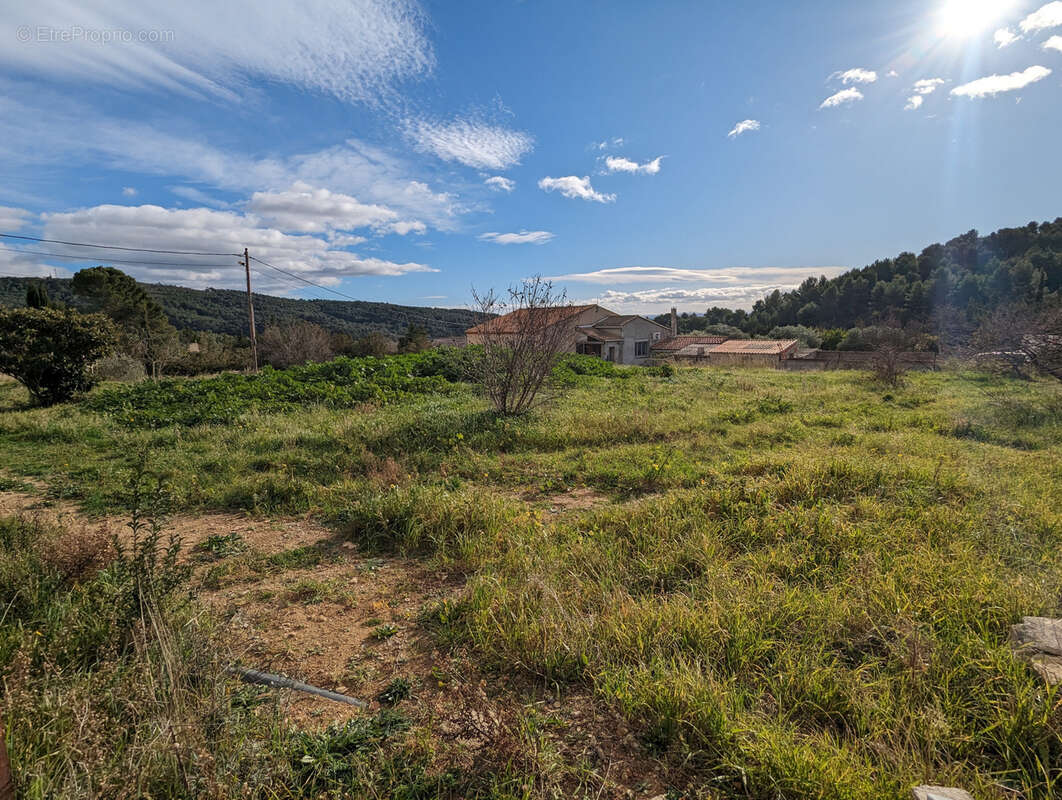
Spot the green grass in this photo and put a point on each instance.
(791, 584)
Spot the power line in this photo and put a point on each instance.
(124, 261)
(304, 280)
(116, 247)
(409, 316)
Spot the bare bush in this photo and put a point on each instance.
(523, 338)
(288, 345)
(888, 345)
(1021, 338)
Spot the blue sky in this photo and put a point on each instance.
(643, 155)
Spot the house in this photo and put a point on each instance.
(686, 347)
(593, 330)
(752, 352)
(623, 339)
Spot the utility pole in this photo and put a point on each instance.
(250, 309)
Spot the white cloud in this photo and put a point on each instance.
(355, 50)
(306, 209)
(855, 75)
(198, 196)
(471, 142)
(12, 219)
(621, 164)
(656, 289)
(892, 74)
(914, 102)
(1054, 43)
(523, 237)
(1004, 37)
(129, 191)
(844, 96)
(14, 263)
(500, 183)
(722, 277)
(1048, 16)
(402, 227)
(994, 84)
(650, 302)
(150, 226)
(743, 126)
(927, 85)
(575, 187)
(49, 128)
(605, 144)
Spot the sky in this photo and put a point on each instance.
(640, 155)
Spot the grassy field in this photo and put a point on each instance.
(787, 585)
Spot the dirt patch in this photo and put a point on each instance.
(348, 621)
(578, 499)
(264, 535)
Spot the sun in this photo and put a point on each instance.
(965, 18)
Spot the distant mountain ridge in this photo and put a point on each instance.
(225, 310)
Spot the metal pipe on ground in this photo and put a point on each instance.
(280, 682)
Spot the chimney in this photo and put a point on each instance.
(674, 322)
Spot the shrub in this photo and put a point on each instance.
(299, 343)
(50, 351)
(806, 336)
(341, 383)
(521, 347)
(118, 367)
(832, 338)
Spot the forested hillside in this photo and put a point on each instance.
(966, 276)
(225, 310)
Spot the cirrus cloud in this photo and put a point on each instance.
(523, 237)
(500, 183)
(471, 142)
(354, 50)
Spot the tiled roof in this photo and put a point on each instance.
(762, 346)
(678, 342)
(512, 322)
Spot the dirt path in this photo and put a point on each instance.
(294, 598)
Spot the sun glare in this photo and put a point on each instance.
(965, 18)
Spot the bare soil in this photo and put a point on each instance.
(350, 624)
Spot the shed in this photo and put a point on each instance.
(752, 352)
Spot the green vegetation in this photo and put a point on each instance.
(50, 351)
(788, 584)
(225, 310)
(947, 286)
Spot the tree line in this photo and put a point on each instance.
(224, 311)
(946, 286)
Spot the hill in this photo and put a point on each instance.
(225, 310)
(968, 275)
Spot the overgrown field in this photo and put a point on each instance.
(790, 585)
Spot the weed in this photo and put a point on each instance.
(397, 690)
(383, 632)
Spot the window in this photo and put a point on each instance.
(656, 336)
(641, 349)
